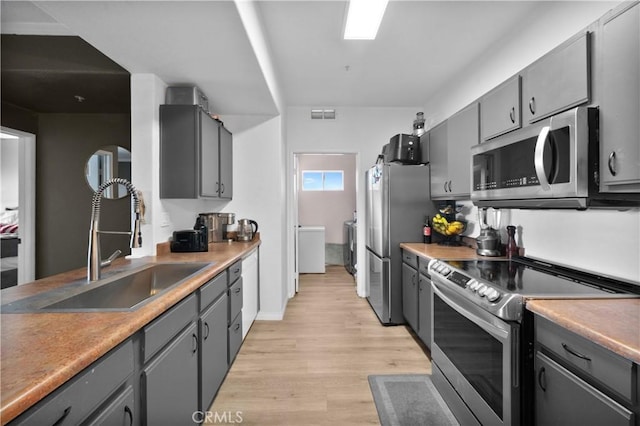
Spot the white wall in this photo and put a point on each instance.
(607, 242)
(362, 131)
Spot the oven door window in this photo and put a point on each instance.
(474, 352)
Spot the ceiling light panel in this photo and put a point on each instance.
(363, 19)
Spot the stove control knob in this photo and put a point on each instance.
(482, 289)
(475, 285)
(493, 295)
(445, 271)
(470, 283)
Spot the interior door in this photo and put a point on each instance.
(296, 225)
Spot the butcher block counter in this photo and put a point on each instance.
(435, 251)
(611, 323)
(41, 351)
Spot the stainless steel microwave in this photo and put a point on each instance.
(553, 163)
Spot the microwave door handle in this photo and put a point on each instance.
(538, 159)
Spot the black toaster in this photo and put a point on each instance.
(190, 240)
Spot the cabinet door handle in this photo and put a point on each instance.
(238, 290)
(65, 413)
(512, 115)
(574, 353)
(195, 343)
(236, 271)
(130, 413)
(449, 186)
(206, 327)
(413, 279)
(445, 186)
(542, 382)
(532, 105)
(217, 186)
(236, 327)
(611, 163)
(222, 186)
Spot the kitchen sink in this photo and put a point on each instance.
(122, 292)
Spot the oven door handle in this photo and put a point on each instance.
(538, 159)
(499, 333)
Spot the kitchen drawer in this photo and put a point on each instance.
(235, 271)
(423, 266)
(76, 400)
(235, 299)
(608, 368)
(162, 330)
(410, 259)
(235, 338)
(212, 290)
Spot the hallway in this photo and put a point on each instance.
(311, 368)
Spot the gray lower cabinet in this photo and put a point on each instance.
(619, 86)
(81, 398)
(578, 382)
(562, 398)
(410, 295)
(425, 298)
(417, 296)
(118, 412)
(170, 382)
(234, 318)
(213, 350)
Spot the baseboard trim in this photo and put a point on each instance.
(270, 316)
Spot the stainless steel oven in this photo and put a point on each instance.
(477, 353)
(482, 336)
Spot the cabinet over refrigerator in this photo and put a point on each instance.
(397, 200)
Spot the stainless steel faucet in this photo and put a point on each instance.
(95, 262)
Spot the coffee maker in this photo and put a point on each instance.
(217, 225)
(488, 241)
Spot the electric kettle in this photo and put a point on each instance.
(246, 230)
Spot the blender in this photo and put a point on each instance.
(488, 241)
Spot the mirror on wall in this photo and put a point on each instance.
(106, 163)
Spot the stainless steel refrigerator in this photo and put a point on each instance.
(398, 199)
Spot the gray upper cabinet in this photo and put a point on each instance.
(619, 89)
(450, 145)
(557, 81)
(195, 154)
(226, 164)
(500, 109)
(438, 160)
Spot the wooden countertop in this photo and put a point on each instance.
(41, 351)
(611, 323)
(435, 251)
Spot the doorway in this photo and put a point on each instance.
(17, 206)
(325, 194)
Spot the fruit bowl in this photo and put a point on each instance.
(446, 227)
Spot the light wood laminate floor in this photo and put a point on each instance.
(311, 368)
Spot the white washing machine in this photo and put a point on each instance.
(311, 256)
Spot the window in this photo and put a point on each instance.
(323, 180)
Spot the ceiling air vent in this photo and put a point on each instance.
(319, 114)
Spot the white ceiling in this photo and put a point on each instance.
(421, 46)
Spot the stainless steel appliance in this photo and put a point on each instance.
(247, 229)
(397, 200)
(404, 149)
(482, 335)
(488, 241)
(553, 163)
(216, 224)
